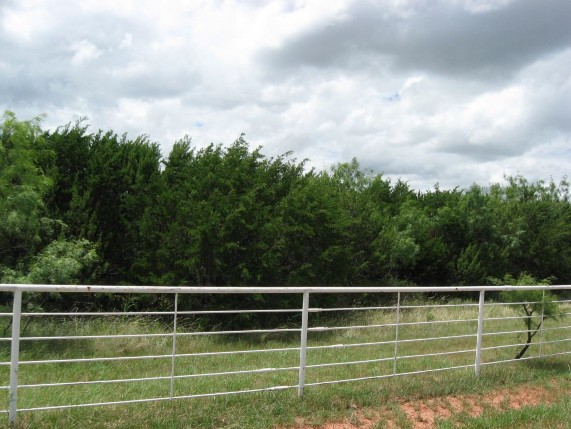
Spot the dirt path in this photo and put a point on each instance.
(424, 413)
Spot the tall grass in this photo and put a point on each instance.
(416, 352)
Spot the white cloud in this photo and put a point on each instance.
(84, 51)
(451, 91)
(483, 6)
(126, 42)
(24, 23)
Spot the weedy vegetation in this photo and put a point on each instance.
(421, 322)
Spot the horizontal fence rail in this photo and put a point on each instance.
(64, 360)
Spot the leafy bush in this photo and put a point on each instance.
(536, 305)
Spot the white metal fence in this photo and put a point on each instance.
(437, 335)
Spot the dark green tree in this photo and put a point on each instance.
(103, 184)
(532, 228)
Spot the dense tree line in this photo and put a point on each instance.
(82, 207)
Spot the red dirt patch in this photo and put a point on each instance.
(424, 413)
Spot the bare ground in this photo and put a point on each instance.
(424, 413)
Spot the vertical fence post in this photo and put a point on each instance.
(303, 345)
(396, 335)
(15, 357)
(541, 326)
(480, 332)
(174, 343)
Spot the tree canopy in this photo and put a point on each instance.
(114, 210)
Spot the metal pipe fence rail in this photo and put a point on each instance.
(62, 360)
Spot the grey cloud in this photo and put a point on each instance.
(339, 90)
(42, 70)
(497, 148)
(439, 37)
(397, 161)
(551, 112)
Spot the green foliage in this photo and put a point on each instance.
(532, 221)
(22, 151)
(103, 185)
(24, 227)
(229, 215)
(60, 262)
(536, 305)
(65, 262)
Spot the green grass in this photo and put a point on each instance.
(279, 408)
(538, 417)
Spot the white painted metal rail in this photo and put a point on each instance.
(392, 339)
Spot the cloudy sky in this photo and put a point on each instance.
(447, 91)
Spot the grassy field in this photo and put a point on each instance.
(332, 402)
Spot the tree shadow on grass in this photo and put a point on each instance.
(39, 349)
(55, 349)
(552, 366)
